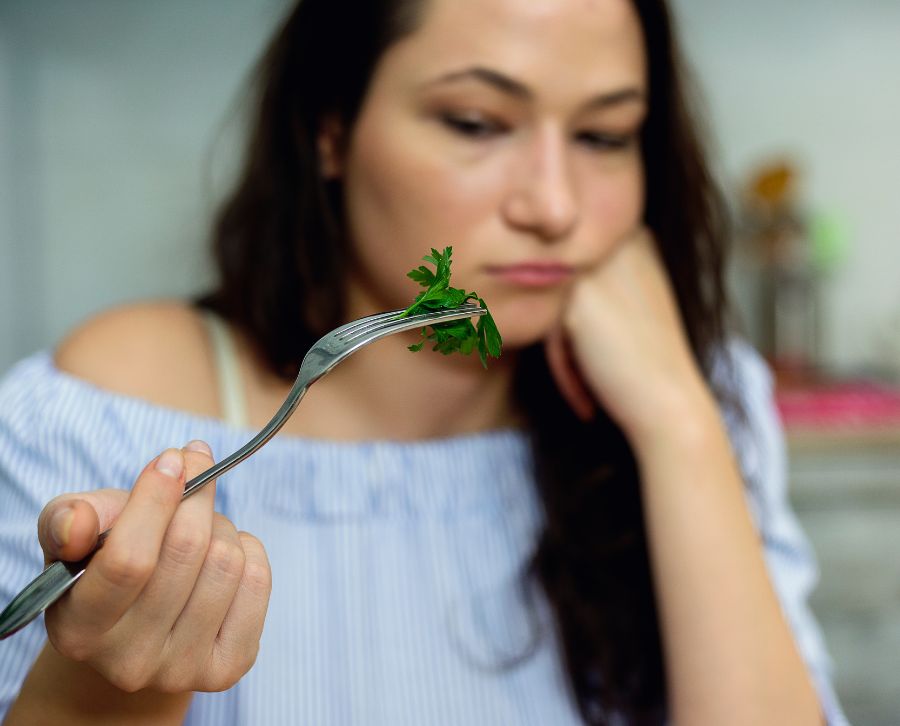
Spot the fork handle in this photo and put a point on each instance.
(43, 591)
(57, 578)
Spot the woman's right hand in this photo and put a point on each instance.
(175, 599)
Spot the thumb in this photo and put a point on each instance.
(568, 379)
(69, 524)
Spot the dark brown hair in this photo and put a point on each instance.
(280, 247)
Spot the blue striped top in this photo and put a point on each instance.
(395, 564)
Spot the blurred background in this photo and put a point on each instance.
(120, 125)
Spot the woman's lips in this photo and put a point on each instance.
(533, 274)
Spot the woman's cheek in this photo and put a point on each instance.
(413, 195)
(383, 208)
(456, 193)
(613, 209)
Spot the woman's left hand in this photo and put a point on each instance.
(622, 343)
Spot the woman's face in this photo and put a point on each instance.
(508, 129)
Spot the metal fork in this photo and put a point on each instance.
(327, 352)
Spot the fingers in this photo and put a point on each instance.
(69, 524)
(181, 556)
(215, 587)
(175, 599)
(227, 608)
(121, 568)
(238, 641)
(568, 380)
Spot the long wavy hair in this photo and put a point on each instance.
(279, 246)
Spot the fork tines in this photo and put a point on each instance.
(382, 321)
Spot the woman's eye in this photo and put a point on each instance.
(473, 127)
(608, 142)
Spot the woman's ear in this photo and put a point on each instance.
(330, 143)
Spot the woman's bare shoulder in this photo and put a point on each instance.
(158, 351)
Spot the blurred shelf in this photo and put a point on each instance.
(830, 416)
(863, 439)
(844, 470)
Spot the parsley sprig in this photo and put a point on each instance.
(458, 335)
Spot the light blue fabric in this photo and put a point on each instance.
(395, 565)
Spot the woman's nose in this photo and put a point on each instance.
(541, 198)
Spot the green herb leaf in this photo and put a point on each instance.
(456, 336)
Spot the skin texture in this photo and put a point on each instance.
(514, 162)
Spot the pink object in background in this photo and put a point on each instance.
(854, 404)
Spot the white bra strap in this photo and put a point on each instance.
(231, 389)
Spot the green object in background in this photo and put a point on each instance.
(829, 237)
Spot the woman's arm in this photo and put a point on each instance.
(59, 690)
(730, 655)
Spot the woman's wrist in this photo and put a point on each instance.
(59, 690)
(679, 417)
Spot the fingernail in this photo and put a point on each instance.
(170, 463)
(61, 524)
(201, 447)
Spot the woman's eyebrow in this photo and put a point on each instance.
(517, 89)
(498, 80)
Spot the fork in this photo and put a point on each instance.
(324, 355)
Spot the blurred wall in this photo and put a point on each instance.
(109, 111)
(816, 79)
(7, 288)
(109, 116)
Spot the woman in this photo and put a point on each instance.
(562, 538)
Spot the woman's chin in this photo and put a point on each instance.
(523, 326)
